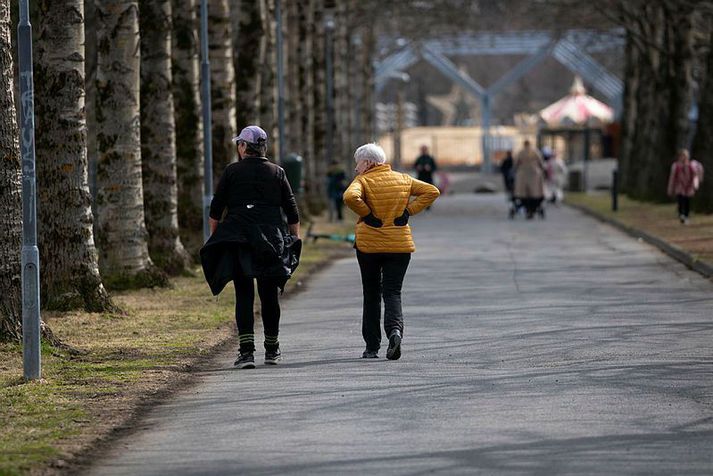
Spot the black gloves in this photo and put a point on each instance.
(403, 219)
(372, 221)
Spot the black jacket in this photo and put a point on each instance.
(255, 193)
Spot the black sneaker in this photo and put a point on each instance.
(394, 350)
(273, 357)
(245, 360)
(370, 354)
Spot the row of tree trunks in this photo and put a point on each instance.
(158, 138)
(70, 272)
(187, 113)
(702, 149)
(659, 59)
(10, 190)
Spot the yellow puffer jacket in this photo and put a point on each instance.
(386, 194)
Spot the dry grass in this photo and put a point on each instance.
(126, 361)
(659, 220)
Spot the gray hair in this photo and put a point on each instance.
(372, 153)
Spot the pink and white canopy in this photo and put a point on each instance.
(577, 108)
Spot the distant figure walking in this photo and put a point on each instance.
(529, 179)
(556, 178)
(683, 182)
(253, 242)
(336, 184)
(381, 198)
(506, 169)
(425, 166)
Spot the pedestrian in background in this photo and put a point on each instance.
(683, 182)
(425, 166)
(382, 199)
(253, 243)
(506, 169)
(529, 179)
(556, 178)
(336, 184)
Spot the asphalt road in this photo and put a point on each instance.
(546, 347)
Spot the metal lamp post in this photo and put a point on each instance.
(207, 122)
(31, 331)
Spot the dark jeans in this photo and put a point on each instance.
(684, 205)
(382, 274)
(244, 304)
(338, 206)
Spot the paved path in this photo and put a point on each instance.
(544, 347)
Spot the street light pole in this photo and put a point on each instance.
(31, 332)
(207, 122)
(280, 82)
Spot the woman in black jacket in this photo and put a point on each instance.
(252, 241)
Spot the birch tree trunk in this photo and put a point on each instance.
(222, 85)
(249, 70)
(10, 191)
(70, 271)
(123, 247)
(158, 138)
(188, 114)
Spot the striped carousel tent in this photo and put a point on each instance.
(577, 109)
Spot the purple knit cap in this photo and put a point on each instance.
(252, 135)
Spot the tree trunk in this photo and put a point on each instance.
(631, 85)
(293, 96)
(343, 91)
(306, 88)
(10, 191)
(319, 92)
(368, 78)
(247, 54)
(70, 271)
(124, 256)
(268, 88)
(188, 115)
(222, 85)
(158, 138)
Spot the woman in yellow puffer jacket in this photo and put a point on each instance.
(382, 199)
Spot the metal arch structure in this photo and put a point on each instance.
(571, 49)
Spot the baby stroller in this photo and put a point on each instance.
(528, 206)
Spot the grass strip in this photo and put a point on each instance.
(126, 362)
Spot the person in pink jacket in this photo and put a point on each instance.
(683, 183)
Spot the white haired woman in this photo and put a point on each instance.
(382, 199)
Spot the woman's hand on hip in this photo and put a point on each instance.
(372, 221)
(403, 219)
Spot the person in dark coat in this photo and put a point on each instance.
(253, 242)
(336, 184)
(425, 166)
(506, 168)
